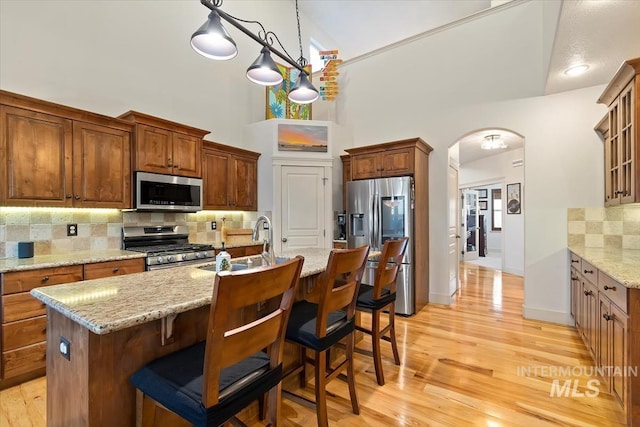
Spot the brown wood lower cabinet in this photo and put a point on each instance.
(607, 318)
(23, 322)
(99, 270)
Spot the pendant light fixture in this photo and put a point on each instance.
(302, 91)
(213, 41)
(264, 71)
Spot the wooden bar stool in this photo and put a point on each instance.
(208, 383)
(382, 295)
(326, 317)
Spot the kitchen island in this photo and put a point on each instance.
(101, 331)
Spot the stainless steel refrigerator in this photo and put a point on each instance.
(378, 210)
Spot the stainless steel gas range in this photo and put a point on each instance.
(166, 246)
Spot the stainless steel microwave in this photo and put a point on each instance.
(156, 192)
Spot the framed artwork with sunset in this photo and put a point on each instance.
(303, 138)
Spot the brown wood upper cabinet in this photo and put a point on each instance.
(621, 135)
(230, 177)
(383, 160)
(162, 146)
(57, 156)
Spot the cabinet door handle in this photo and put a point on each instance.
(68, 196)
(574, 278)
(176, 166)
(115, 270)
(575, 260)
(45, 278)
(607, 317)
(169, 162)
(606, 288)
(587, 293)
(588, 272)
(77, 197)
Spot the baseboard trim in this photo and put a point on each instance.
(560, 317)
(441, 299)
(513, 271)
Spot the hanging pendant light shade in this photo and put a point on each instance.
(264, 71)
(303, 91)
(212, 40)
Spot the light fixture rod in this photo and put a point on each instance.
(213, 5)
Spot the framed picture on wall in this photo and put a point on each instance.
(514, 199)
(482, 194)
(482, 205)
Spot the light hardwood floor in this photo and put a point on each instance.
(462, 365)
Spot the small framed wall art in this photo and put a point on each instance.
(482, 205)
(482, 193)
(514, 199)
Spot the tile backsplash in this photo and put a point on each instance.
(616, 227)
(100, 229)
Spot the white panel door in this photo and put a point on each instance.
(452, 230)
(303, 207)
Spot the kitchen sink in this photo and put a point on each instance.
(243, 264)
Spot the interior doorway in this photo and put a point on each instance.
(489, 160)
(489, 225)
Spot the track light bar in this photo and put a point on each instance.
(213, 41)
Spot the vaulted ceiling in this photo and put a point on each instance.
(600, 33)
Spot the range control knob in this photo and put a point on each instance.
(170, 258)
(198, 255)
(184, 257)
(160, 260)
(205, 254)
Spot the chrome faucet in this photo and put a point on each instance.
(268, 257)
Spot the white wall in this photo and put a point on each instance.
(472, 77)
(498, 168)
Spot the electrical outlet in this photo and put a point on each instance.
(72, 229)
(214, 225)
(265, 226)
(65, 348)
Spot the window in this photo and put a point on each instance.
(496, 209)
(314, 56)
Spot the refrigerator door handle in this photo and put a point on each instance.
(372, 222)
(376, 222)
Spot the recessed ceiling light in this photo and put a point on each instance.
(576, 70)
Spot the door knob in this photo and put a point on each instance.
(284, 240)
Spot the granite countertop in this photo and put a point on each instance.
(111, 304)
(86, 257)
(623, 265)
(71, 258)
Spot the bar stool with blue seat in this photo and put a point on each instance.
(325, 317)
(380, 297)
(208, 383)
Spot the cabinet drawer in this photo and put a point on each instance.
(113, 268)
(23, 360)
(613, 290)
(589, 272)
(23, 333)
(575, 262)
(24, 281)
(21, 306)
